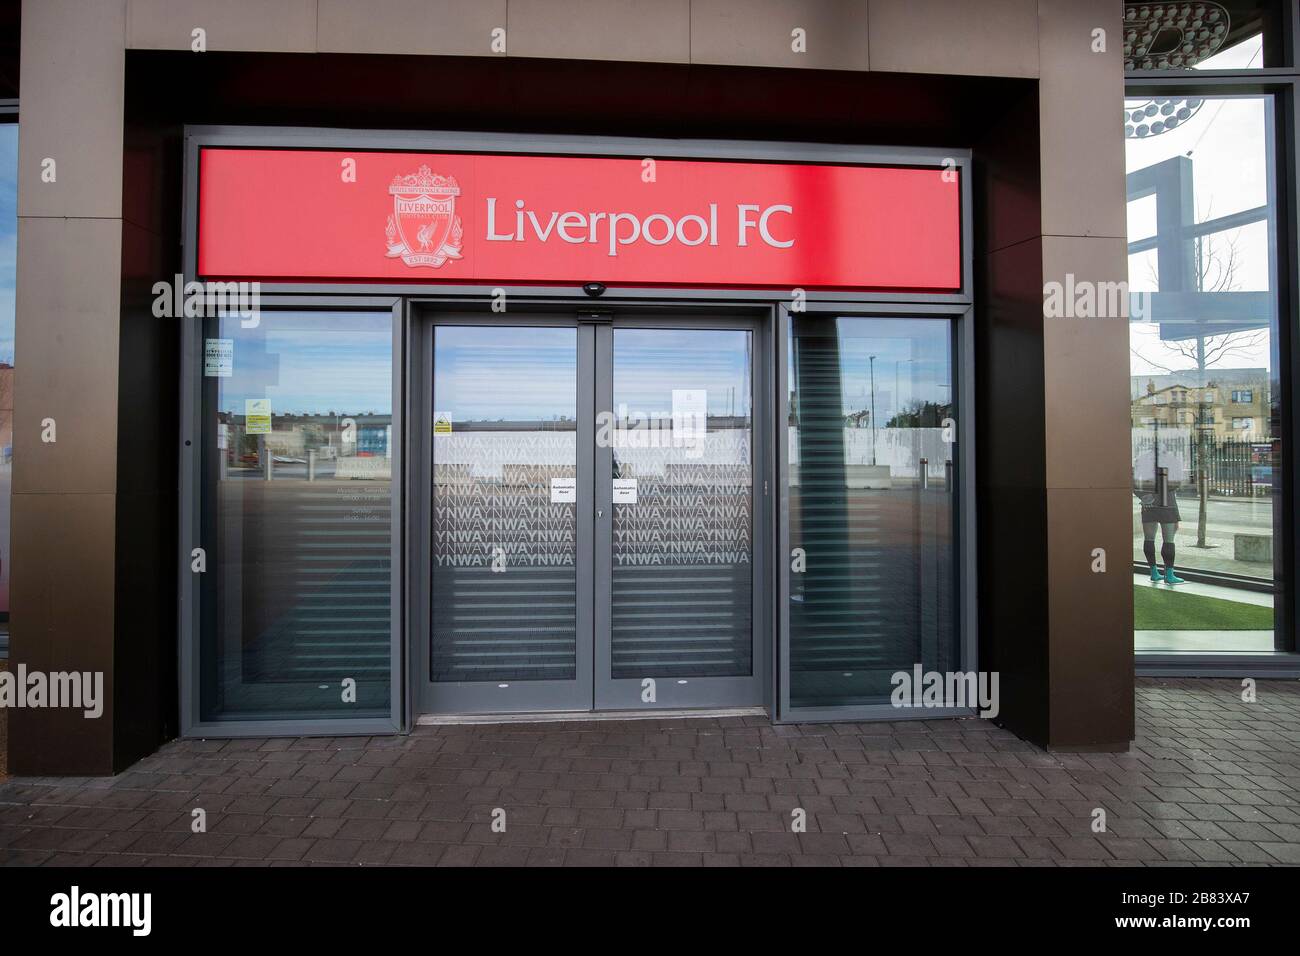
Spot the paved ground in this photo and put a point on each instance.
(1210, 780)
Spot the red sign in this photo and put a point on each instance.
(510, 219)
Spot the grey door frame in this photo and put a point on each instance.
(425, 315)
(190, 533)
(694, 692)
(493, 697)
(960, 319)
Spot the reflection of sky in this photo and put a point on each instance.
(8, 236)
(912, 364)
(1226, 143)
(486, 373)
(650, 363)
(312, 364)
(531, 374)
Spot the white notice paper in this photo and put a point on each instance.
(691, 410)
(624, 491)
(218, 357)
(564, 490)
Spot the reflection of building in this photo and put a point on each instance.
(330, 436)
(1232, 405)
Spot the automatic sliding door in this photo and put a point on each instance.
(675, 532)
(510, 584)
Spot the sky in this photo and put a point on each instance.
(1226, 141)
(311, 364)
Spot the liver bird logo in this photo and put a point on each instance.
(424, 207)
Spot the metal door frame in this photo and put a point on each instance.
(695, 692)
(497, 697)
(469, 698)
(960, 320)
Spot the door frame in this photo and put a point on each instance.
(423, 315)
(696, 692)
(471, 697)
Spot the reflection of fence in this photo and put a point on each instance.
(1232, 468)
(898, 449)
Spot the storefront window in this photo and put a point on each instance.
(297, 518)
(1204, 382)
(871, 475)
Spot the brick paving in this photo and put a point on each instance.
(1210, 781)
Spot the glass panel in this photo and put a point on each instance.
(871, 507)
(297, 522)
(1204, 35)
(8, 275)
(682, 598)
(1204, 386)
(504, 503)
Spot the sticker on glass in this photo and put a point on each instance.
(218, 358)
(257, 416)
(442, 423)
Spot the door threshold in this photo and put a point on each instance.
(569, 716)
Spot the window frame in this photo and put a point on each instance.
(189, 607)
(1283, 84)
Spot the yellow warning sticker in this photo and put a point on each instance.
(441, 423)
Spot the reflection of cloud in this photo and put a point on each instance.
(340, 363)
(1230, 159)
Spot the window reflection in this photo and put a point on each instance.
(504, 503)
(1204, 387)
(683, 572)
(298, 454)
(1204, 35)
(872, 590)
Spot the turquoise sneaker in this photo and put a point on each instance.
(1171, 578)
(1155, 575)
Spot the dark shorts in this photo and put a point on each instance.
(1157, 514)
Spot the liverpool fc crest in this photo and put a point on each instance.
(424, 228)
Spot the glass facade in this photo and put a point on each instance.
(1222, 35)
(1207, 388)
(683, 561)
(296, 597)
(872, 508)
(505, 580)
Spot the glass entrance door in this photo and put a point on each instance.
(592, 516)
(676, 517)
(510, 582)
